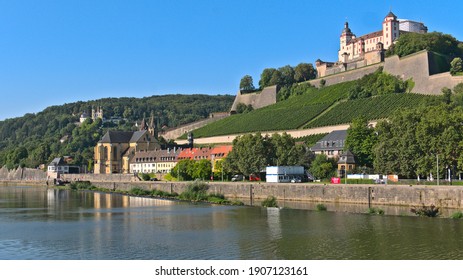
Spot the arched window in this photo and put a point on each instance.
(105, 154)
(114, 153)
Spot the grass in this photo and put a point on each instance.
(457, 215)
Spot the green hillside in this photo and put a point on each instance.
(292, 113)
(314, 108)
(35, 138)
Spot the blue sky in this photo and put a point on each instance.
(55, 51)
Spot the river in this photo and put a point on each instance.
(51, 224)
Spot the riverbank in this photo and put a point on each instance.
(370, 195)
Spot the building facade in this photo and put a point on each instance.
(158, 161)
(332, 145)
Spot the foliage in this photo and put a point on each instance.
(270, 201)
(246, 83)
(456, 65)
(81, 185)
(378, 83)
(34, 139)
(321, 207)
(322, 83)
(304, 72)
(252, 153)
(360, 141)
(266, 76)
(322, 167)
(375, 211)
(196, 191)
(409, 43)
(145, 177)
(457, 215)
(243, 108)
(425, 211)
(138, 191)
(187, 169)
(408, 144)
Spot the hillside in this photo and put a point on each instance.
(35, 138)
(314, 108)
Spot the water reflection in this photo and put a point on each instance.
(39, 223)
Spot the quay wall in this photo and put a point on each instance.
(400, 195)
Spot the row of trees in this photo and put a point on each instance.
(283, 76)
(409, 142)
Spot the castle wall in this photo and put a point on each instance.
(416, 66)
(267, 96)
(179, 131)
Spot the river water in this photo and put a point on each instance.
(39, 223)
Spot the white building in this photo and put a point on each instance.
(158, 161)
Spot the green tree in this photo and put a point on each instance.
(287, 75)
(322, 167)
(456, 65)
(246, 83)
(202, 169)
(250, 154)
(361, 138)
(265, 77)
(304, 72)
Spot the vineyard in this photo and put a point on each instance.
(378, 107)
(303, 111)
(289, 114)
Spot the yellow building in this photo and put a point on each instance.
(116, 148)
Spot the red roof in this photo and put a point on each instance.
(221, 151)
(195, 153)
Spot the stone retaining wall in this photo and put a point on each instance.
(442, 196)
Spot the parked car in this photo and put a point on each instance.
(237, 177)
(296, 180)
(254, 177)
(154, 179)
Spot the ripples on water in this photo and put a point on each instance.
(56, 224)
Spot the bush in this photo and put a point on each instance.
(81, 185)
(321, 207)
(270, 201)
(196, 191)
(425, 211)
(457, 215)
(375, 211)
(145, 177)
(138, 191)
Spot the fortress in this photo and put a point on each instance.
(355, 52)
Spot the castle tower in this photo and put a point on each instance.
(152, 128)
(344, 39)
(390, 30)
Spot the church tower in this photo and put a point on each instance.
(390, 30)
(344, 40)
(152, 128)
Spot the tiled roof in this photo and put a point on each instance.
(168, 155)
(195, 153)
(221, 151)
(346, 157)
(137, 135)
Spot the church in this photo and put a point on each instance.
(116, 149)
(355, 52)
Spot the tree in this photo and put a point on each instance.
(243, 108)
(361, 138)
(265, 77)
(249, 155)
(322, 167)
(287, 75)
(246, 83)
(446, 95)
(202, 169)
(456, 65)
(304, 72)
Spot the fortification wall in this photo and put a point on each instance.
(267, 96)
(179, 131)
(442, 196)
(22, 174)
(346, 76)
(417, 67)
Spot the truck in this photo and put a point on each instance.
(284, 174)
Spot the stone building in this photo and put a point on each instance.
(158, 161)
(355, 52)
(331, 145)
(115, 150)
